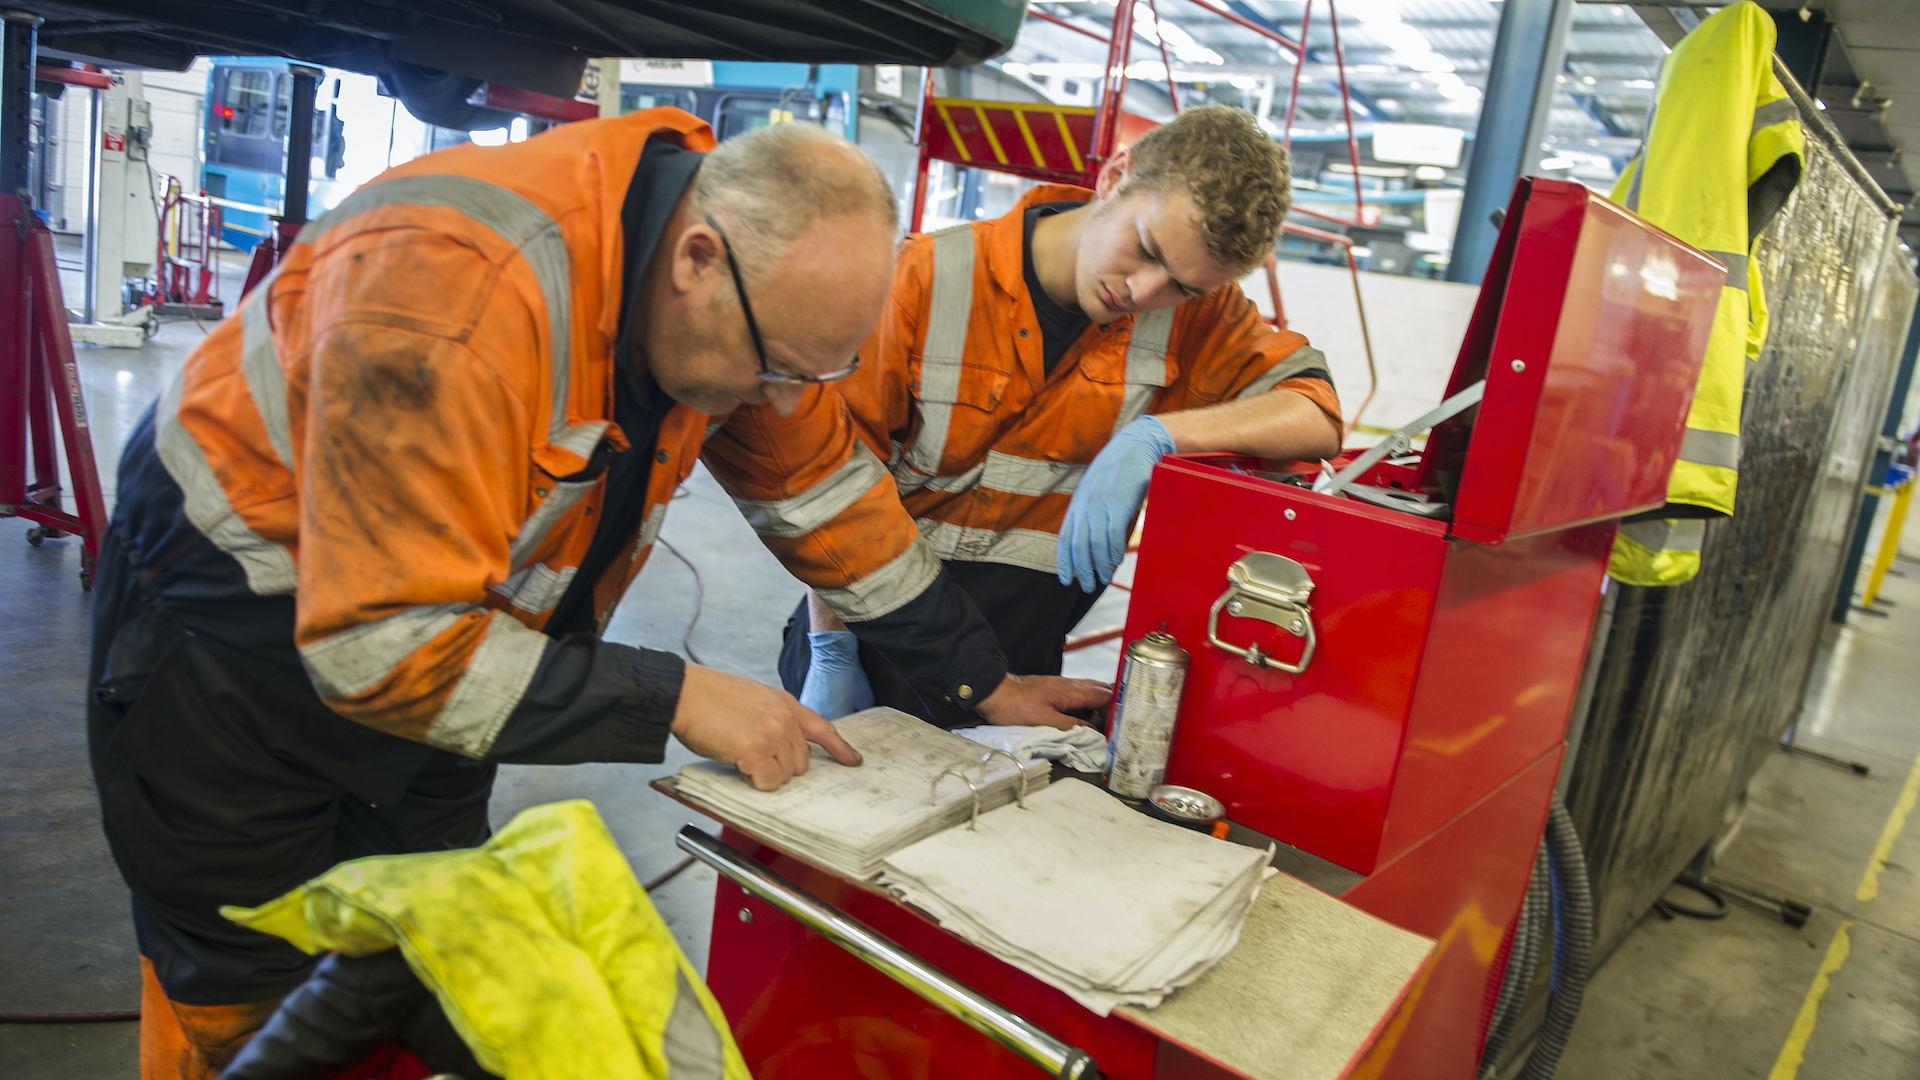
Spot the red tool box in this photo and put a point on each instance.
(1383, 683)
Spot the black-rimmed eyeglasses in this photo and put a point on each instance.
(767, 374)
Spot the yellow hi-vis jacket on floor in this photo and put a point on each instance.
(544, 951)
(1722, 151)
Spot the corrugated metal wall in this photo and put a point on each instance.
(1699, 680)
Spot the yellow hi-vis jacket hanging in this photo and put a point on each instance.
(544, 951)
(1723, 149)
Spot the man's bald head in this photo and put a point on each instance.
(811, 224)
(765, 187)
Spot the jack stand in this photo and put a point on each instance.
(293, 215)
(38, 377)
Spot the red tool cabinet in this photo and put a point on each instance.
(1419, 746)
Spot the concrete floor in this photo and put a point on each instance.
(1680, 999)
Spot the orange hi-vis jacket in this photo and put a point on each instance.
(397, 427)
(985, 448)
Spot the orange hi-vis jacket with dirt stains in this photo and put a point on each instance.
(984, 447)
(397, 427)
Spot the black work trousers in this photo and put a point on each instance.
(224, 781)
(1030, 612)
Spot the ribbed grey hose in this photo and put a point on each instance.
(1523, 960)
(1573, 942)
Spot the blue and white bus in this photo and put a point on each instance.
(249, 102)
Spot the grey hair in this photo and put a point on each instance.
(767, 185)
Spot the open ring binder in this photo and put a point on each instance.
(933, 789)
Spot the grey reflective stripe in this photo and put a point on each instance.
(1003, 472)
(886, 589)
(1686, 534)
(269, 566)
(1028, 476)
(950, 305)
(496, 679)
(1030, 548)
(358, 658)
(909, 482)
(689, 1041)
(543, 518)
(1736, 268)
(260, 366)
(820, 503)
(1773, 112)
(1146, 364)
(1716, 448)
(650, 529)
(1639, 165)
(1303, 359)
(519, 222)
(537, 588)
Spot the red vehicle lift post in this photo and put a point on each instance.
(39, 383)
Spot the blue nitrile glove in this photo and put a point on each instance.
(836, 686)
(1093, 539)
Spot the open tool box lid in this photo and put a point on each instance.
(1589, 333)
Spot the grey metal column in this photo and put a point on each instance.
(1529, 51)
(306, 82)
(16, 99)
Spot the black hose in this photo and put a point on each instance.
(1523, 959)
(112, 1016)
(1572, 942)
(1668, 909)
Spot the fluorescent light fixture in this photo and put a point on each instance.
(1366, 170)
(1429, 172)
(1361, 251)
(1423, 61)
(1403, 38)
(1556, 163)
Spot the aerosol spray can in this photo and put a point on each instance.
(1144, 710)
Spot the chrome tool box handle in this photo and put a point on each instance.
(976, 1011)
(1271, 588)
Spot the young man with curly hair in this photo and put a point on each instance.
(1026, 377)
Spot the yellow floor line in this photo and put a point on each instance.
(1787, 1065)
(1870, 881)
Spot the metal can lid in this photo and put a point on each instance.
(1159, 645)
(1186, 804)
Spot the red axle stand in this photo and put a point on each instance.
(38, 380)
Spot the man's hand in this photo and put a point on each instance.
(1042, 701)
(757, 729)
(1093, 539)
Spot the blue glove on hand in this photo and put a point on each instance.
(836, 686)
(1093, 539)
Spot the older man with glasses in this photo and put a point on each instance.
(367, 541)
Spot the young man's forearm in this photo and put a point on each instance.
(1278, 424)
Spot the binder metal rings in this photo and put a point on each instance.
(933, 790)
(1020, 799)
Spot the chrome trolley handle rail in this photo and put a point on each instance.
(978, 1012)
